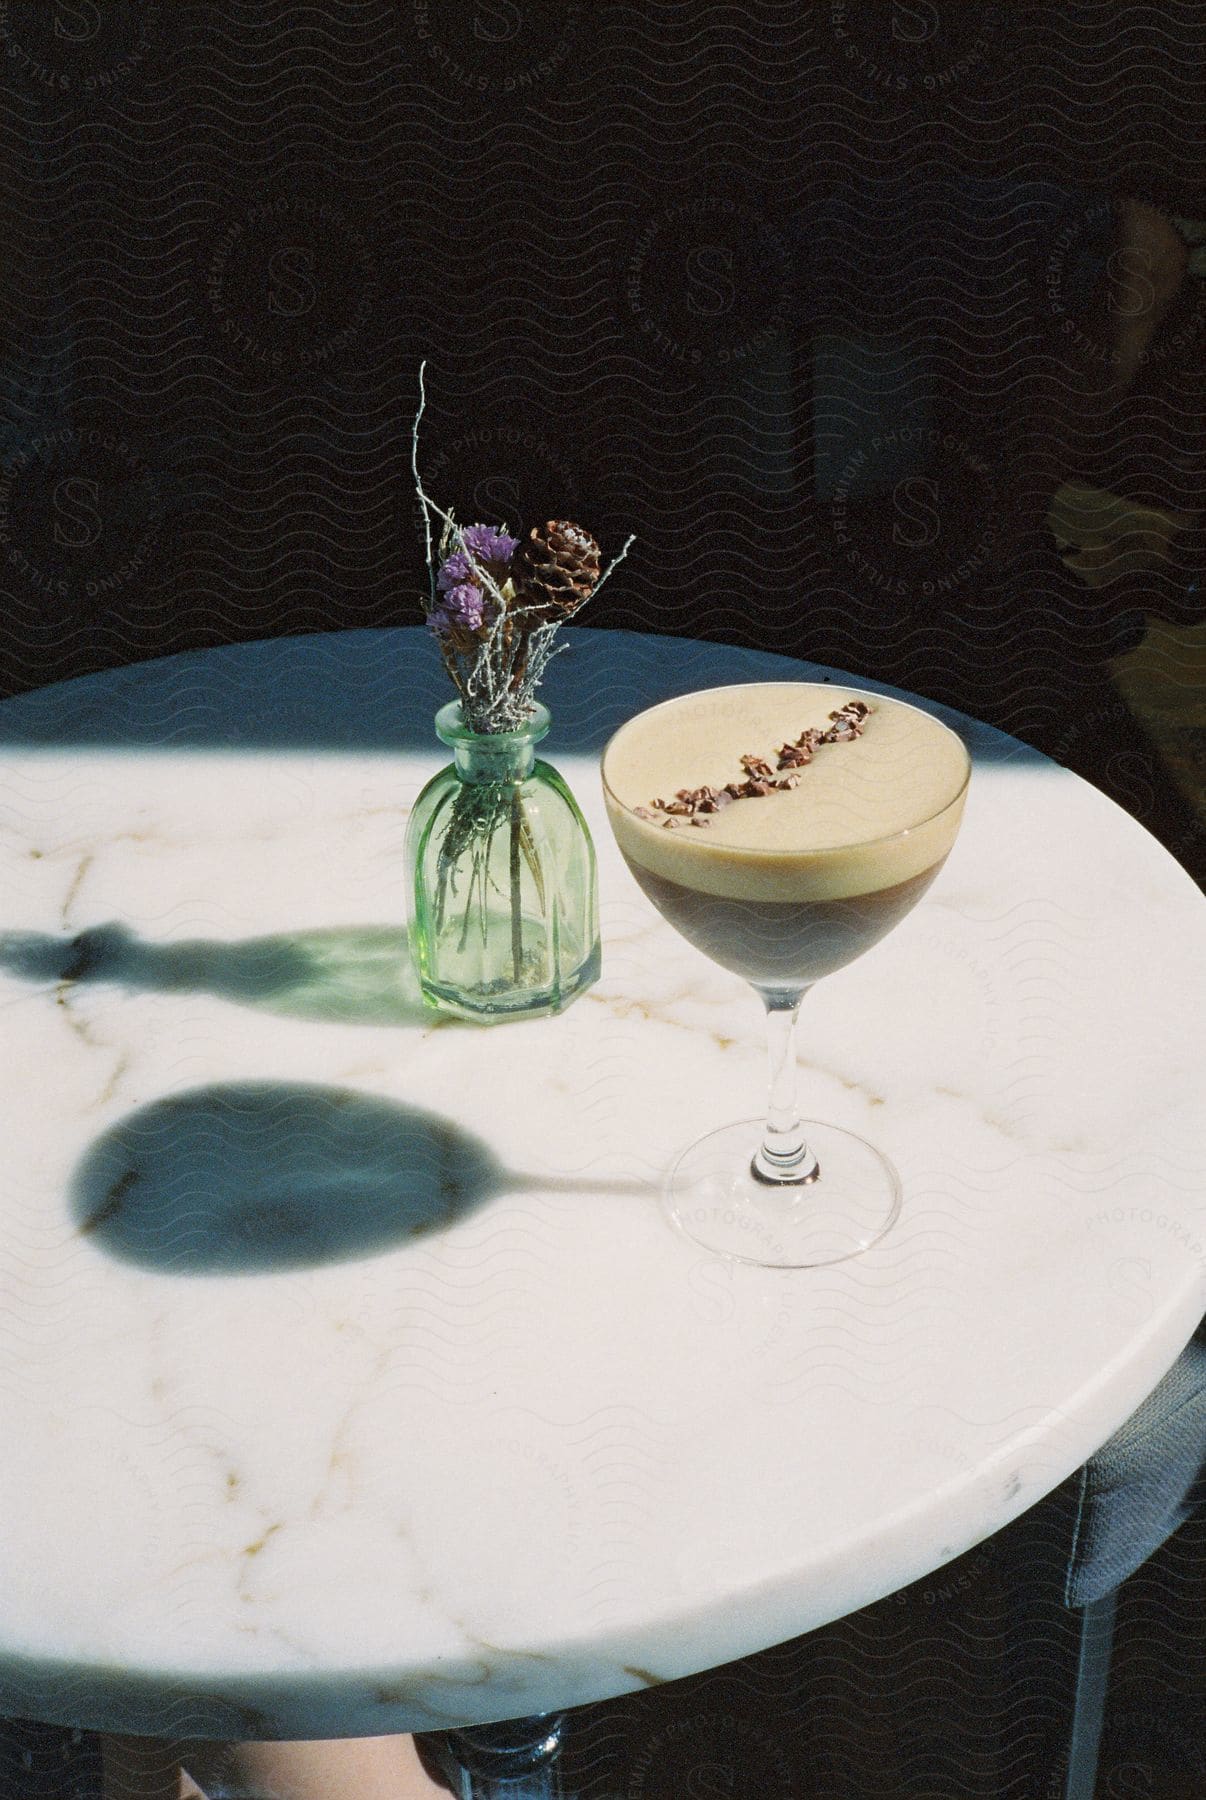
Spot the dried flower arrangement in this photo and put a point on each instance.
(496, 603)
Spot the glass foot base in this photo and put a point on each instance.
(713, 1196)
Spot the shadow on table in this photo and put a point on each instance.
(352, 975)
(378, 690)
(248, 1178)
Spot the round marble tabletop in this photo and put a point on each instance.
(351, 1377)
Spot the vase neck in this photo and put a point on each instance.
(483, 760)
(491, 756)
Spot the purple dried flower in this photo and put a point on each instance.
(454, 570)
(490, 545)
(463, 608)
(465, 603)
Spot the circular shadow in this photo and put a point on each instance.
(252, 1177)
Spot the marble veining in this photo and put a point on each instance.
(351, 1378)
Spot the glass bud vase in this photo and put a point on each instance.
(501, 872)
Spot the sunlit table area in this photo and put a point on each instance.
(353, 1378)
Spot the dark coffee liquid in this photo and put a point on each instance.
(783, 943)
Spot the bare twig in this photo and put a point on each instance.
(613, 564)
(414, 463)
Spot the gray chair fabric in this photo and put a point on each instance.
(1142, 1484)
(1131, 1497)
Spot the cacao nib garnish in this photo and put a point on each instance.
(756, 766)
(692, 805)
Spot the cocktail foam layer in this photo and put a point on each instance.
(866, 814)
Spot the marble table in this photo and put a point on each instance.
(351, 1377)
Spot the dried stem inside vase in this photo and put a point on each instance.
(516, 910)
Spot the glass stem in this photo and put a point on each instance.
(784, 1156)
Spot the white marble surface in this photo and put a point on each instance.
(276, 1463)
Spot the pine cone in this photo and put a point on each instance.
(555, 570)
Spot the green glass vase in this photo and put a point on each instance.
(504, 904)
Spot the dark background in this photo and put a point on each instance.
(820, 301)
(823, 302)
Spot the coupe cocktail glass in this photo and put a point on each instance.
(784, 888)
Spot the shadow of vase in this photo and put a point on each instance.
(359, 974)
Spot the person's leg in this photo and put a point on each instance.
(382, 1768)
